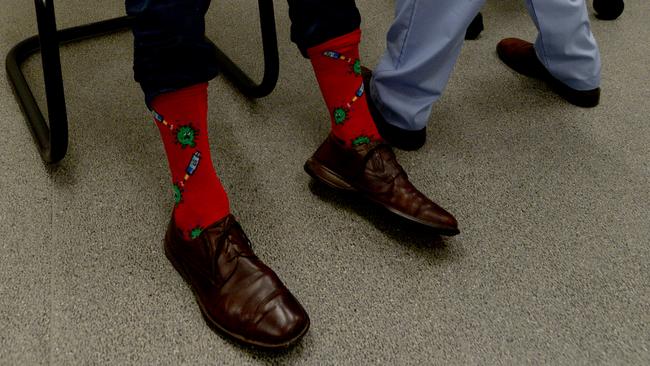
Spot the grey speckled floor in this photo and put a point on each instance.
(552, 266)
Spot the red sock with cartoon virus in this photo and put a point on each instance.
(338, 70)
(200, 199)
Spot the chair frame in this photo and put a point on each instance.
(51, 136)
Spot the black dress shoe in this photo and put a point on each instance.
(397, 137)
(608, 9)
(475, 28)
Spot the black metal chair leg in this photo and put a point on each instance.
(271, 58)
(52, 139)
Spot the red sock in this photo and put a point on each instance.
(200, 198)
(338, 70)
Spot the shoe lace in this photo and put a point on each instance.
(214, 247)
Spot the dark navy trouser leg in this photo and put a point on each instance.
(317, 21)
(171, 51)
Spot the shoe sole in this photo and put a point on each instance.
(213, 324)
(323, 174)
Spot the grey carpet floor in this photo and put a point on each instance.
(552, 266)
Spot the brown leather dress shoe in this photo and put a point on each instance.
(520, 56)
(395, 136)
(239, 295)
(372, 170)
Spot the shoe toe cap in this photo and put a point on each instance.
(510, 42)
(440, 219)
(283, 323)
(510, 46)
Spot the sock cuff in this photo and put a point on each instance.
(180, 94)
(350, 39)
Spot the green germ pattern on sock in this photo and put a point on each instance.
(361, 140)
(186, 136)
(178, 194)
(196, 232)
(340, 115)
(357, 67)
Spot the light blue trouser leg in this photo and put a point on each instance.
(422, 47)
(565, 44)
(425, 39)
